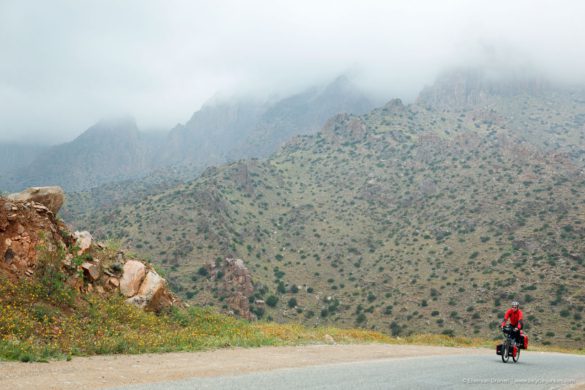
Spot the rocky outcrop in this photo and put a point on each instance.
(30, 232)
(26, 228)
(395, 106)
(236, 285)
(345, 128)
(50, 197)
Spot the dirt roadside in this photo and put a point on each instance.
(117, 370)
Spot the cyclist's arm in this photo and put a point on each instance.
(520, 320)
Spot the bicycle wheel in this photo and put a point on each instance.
(506, 351)
(517, 357)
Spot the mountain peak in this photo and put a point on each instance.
(115, 123)
(463, 87)
(116, 127)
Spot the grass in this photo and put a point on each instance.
(34, 328)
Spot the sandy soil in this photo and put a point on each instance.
(117, 370)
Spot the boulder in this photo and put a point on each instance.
(82, 241)
(152, 294)
(50, 197)
(91, 271)
(329, 339)
(114, 282)
(132, 277)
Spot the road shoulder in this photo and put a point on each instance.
(118, 370)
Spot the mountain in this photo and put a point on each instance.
(229, 130)
(115, 151)
(471, 87)
(304, 113)
(110, 150)
(211, 133)
(14, 157)
(407, 219)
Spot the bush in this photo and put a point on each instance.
(395, 328)
(272, 300)
(52, 279)
(292, 302)
(259, 311)
(202, 271)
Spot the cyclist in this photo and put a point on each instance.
(514, 314)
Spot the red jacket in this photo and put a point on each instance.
(515, 318)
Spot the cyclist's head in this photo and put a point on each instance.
(515, 305)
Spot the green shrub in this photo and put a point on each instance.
(272, 300)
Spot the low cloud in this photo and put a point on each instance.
(66, 64)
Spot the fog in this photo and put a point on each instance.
(66, 64)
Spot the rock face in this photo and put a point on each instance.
(26, 227)
(50, 197)
(29, 231)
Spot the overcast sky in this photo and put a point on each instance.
(66, 64)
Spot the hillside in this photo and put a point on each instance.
(408, 219)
